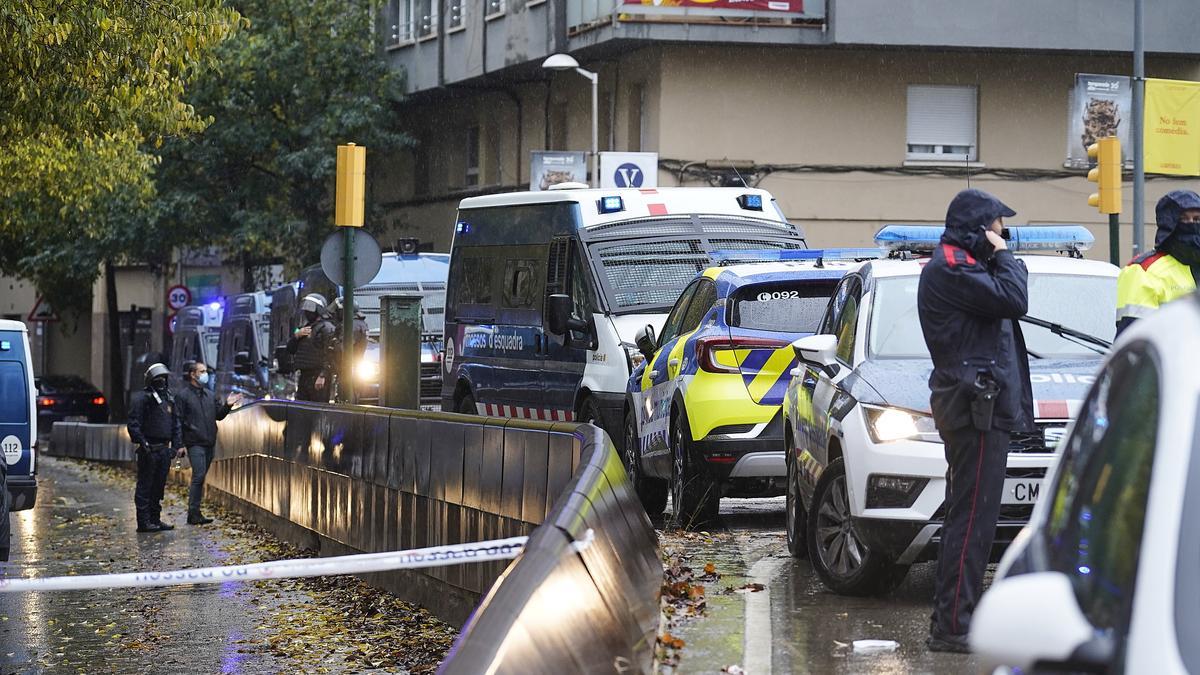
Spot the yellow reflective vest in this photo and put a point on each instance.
(1151, 280)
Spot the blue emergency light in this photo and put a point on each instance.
(214, 306)
(5, 346)
(750, 202)
(613, 204)
(729, 256)
(923, 238)
(462, 227)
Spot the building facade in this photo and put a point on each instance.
(853, 113)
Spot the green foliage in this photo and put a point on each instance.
(302, 79)
(85, 87)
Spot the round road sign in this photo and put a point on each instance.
(178, 297)
(368, 257)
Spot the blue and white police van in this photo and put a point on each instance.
(547, 289)
(18, 419)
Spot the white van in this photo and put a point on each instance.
(546, 290)
(18, 419)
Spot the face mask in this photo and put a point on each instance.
(159, 384)
(202, 379)
(310, 316)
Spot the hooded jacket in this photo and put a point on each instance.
(1168, 272)
(969, 300)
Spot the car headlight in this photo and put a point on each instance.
(366, 370)
(893, 424)
(633, 356)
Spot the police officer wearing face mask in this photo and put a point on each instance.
(198, 415)
(312, 344)
(154, 428)
(1172, 269)
(970, 296)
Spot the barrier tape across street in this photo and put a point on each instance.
(436, 556)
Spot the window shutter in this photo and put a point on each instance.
(942, 115)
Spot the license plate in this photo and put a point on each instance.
(75, 418)
(1021, 490)
(436, 407)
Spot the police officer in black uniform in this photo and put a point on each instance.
(312, 344)
(154, 427)
(970, 296)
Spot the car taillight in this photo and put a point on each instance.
(99, 400)
(46, 401)
(707, 349)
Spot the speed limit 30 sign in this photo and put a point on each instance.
(178, 297)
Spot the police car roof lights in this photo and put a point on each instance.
(737, 256)
(1073, 239)
(750, 202)
(611, 204)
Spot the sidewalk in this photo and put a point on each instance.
(84, 524)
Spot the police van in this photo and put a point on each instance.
(244, 353)
(18, 419)
(547, 290)
(197, 334)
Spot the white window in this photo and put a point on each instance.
(454, 18)
(494, 7)
(943, 123)
(403, 30)
(427, 17)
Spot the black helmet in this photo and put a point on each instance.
(156, 371)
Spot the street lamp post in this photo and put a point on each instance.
(568, 62)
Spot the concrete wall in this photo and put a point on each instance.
(58, 347)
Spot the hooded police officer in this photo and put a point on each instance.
(971, 294)
(154, 428)
(1172, 269)
(312, 344)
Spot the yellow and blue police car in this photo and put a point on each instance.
(702, 415)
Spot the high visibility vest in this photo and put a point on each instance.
(1151, 280)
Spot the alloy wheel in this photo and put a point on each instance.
(841, 550)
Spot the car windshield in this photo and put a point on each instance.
(644, 265)
(794, 306)
(1083, 303)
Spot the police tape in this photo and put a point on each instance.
(362, 563)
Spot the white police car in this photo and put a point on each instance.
(1105, 579)
(866, 468)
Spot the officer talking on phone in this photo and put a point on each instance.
(970, 296)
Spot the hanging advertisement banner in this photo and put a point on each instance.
(790, 6)
(1172, 136)
(1101, 106)
(551, 167)
(629, 169)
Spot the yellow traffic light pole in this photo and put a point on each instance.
(1107, 199)
(348, 215)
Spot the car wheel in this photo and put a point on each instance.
(466, 406)
(839, 556)
(695, 495)
(652, 492)
(796, 517)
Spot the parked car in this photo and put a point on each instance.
(68, 398)
(1104, 579)
(703, 408)
(866, 467)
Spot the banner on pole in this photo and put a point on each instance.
(1101, 106)
(629, 169)
(551, 167)
(1172, 130)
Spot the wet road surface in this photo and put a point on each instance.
(83, 524)
(792, 625)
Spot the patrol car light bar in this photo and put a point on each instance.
(731, 256)
(923, 238)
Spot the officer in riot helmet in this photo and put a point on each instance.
(154, 427)
(312, 346)
(360, 326)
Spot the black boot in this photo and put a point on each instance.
(198, 518)
(152, 527)
(164, 526)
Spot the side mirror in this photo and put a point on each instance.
(559, 316)
(644, 339)
(1033, 619)
(820, 351)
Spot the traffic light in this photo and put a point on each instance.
(1107, 174)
